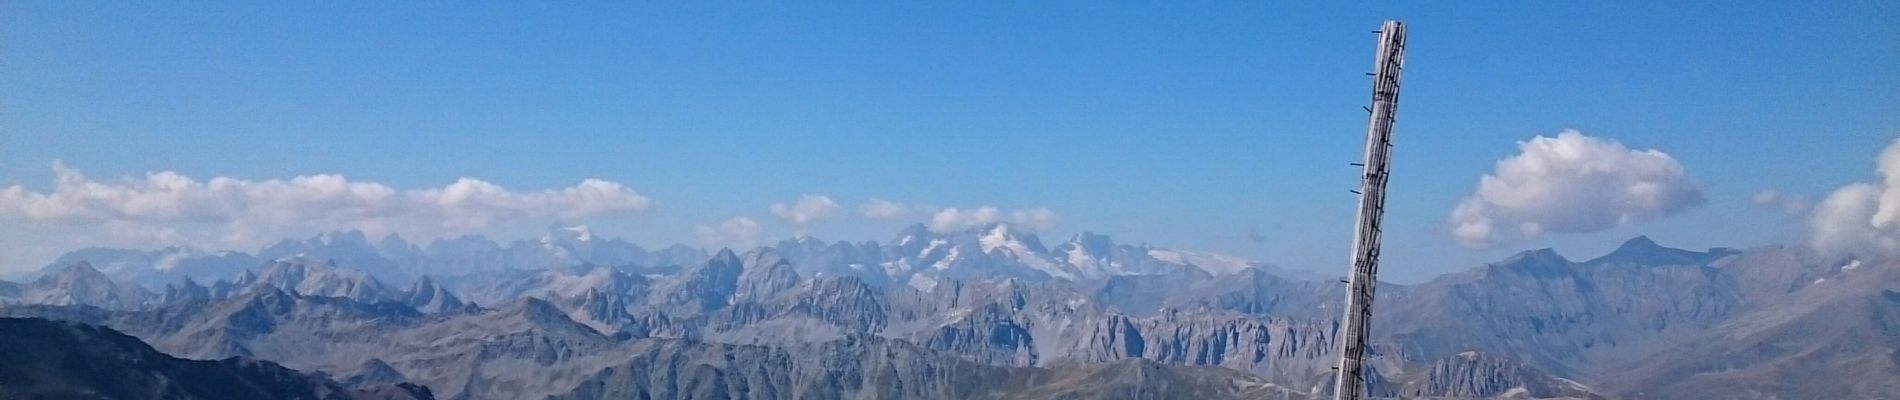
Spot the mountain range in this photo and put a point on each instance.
(391, 258)
(991, 312)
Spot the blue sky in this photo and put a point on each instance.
(1215, 127)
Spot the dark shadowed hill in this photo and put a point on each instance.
(41, 359)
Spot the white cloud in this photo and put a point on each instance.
(1862, 218)
(809, 208)
(170, 208)
(738, 233)
(1571, 183)
(884, 210)
(959, 219)
(953, 219)
(1791, 204)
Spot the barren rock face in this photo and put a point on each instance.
(1644, 321)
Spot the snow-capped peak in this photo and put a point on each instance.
(999, 237)
(912, 234)
(1026, 250)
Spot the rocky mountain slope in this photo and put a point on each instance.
(48, 359)
(76, 284)
(485, 354)
(1839, 338)
(1536, 325)
(869, 367)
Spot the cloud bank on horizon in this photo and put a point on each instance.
(169, 208)
(953, 219)
(1571, 183)
(741, 232)
(166, 208)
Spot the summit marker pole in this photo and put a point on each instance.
(1365, 244)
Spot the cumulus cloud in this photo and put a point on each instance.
(1862, 218)
(167, 207)
(1571, 183)
(808, 208)
(953, 219)
(735, 233)
(883, 210)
